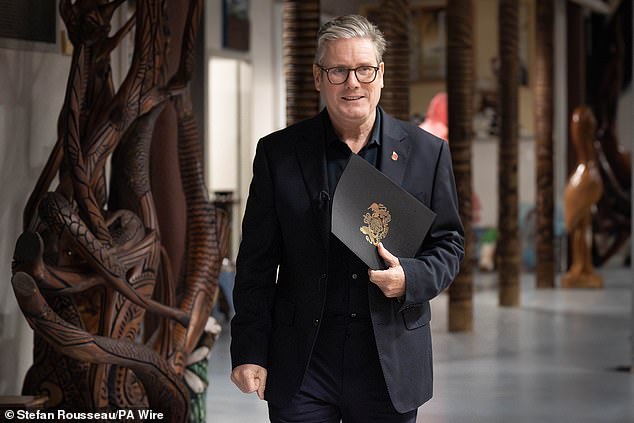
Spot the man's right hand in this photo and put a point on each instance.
(250, 378)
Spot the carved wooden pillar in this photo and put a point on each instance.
(508, 248)
(460, 77)
(301, 23)
(543, 88)
(393, 21)
(91, 264)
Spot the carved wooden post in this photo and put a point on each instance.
(91, 264)
(460, 77)
(508, 248)
(301, 23)
(543, 88)
(393, 21)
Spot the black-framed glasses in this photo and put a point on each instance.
(338, 75)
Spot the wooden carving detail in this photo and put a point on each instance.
(300, 24)
(544, 144)
(508, 244)
(160, 382)
(393, 18)
(115, 326)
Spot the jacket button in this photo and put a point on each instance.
(316, 322)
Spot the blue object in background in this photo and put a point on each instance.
(224, 310)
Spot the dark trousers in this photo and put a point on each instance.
(344, 380)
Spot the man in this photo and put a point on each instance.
(316, 333)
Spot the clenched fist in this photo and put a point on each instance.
(250, 378)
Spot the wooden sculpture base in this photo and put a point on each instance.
(22, 402)
(581, 280)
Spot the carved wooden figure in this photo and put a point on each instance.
(115, 325)
(583, 191)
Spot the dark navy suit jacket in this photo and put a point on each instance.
(282, 262)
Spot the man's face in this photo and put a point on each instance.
(352, 102)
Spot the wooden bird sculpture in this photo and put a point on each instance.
(583, 191)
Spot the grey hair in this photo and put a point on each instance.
(349, 26)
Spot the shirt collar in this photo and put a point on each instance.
(375, 136)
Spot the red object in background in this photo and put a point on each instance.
(436, 121)
(436, 117)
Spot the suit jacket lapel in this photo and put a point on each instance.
(395, 149)
(311, 154)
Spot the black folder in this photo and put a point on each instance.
(368, 208)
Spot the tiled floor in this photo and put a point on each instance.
(553, 359)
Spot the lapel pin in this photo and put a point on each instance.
(394, 156)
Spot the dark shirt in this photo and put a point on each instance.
(347, 285)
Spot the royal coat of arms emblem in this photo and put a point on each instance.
(377, 223)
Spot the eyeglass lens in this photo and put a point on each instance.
(339, 75)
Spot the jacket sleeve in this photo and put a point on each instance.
(256, 268)
(438, 260)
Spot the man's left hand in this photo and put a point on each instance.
(390, 281)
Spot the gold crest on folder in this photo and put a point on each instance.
(377, 223)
